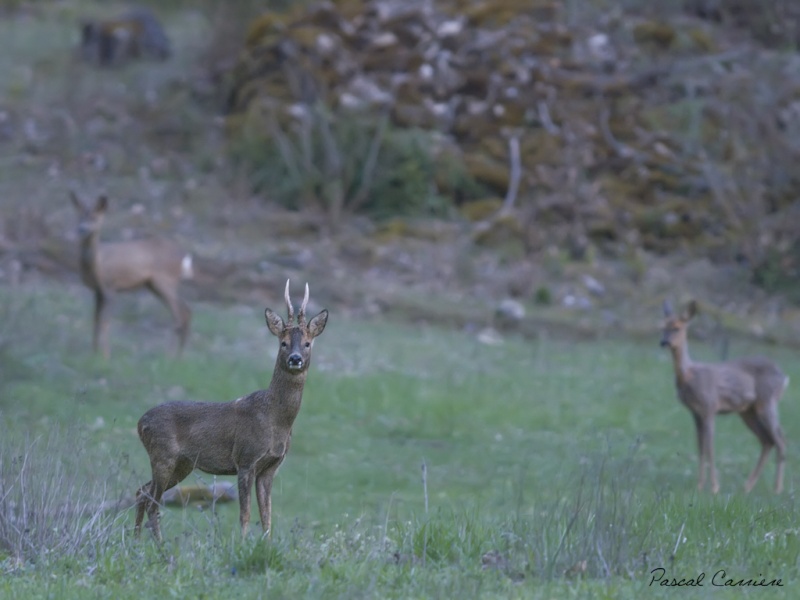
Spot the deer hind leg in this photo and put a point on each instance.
(153, 512)
(753, 422)
(184, 324)
(167, 292)
(165, 476)
(768, 417)
(143, 498)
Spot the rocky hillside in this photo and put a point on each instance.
(600, 131)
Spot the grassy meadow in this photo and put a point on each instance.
(553, 469)
(424, 464)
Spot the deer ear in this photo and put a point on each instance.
(667, 308)
(690, 310)
(102, 204)
(275, 323)
(317, 324)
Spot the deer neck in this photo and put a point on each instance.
(286, 394)
(682, 363)
(89, 249)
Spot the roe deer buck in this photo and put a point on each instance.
(248, 437)
(750, 387)
(156, 264)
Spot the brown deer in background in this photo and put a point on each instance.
(155, 264)
(750, 387)
(248, 437)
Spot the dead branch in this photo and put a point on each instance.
(514, 176)
(368, 174)
(546, 120)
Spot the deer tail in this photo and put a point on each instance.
(187, 271)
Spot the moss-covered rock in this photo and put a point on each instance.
(480, 210)
(660, 34)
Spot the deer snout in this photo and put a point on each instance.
(664, 342)
(295, 361)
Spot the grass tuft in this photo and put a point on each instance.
(257, 556)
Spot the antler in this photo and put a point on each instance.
(301, 317)
(667, 306)
(289, 303)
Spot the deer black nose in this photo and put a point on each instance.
(295, 361)
(664, 343)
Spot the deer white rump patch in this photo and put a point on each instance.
(187, 272)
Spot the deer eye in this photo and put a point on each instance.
(283, 344)
(308, 344)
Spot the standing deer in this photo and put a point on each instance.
(750, 387)
(155, 264)
(248, 437)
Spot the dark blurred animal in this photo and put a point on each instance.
(135, 34)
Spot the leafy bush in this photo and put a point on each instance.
(779, 271)
(775, 23)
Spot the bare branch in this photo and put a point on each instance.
(618, 147)
(368, 172)
(515, 175)
(547, 121)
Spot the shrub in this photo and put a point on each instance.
(340, 164)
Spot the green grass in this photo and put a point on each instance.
(538, 456)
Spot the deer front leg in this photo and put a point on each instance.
(753, 422)
(701, 457)
(184, 325)
(167, 291)
(245, 484)
(264, 497)
(99, 338)
(708, 450)
(143, 496)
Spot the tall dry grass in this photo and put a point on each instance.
(46, 506)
